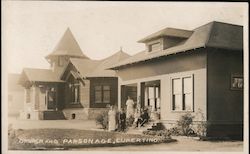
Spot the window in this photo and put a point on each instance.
(75, 93)
(102, 94)
(154, 47)
(182, 94)
(98, 94)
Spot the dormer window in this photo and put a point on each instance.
(154, 47)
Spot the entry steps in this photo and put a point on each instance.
(53, 115)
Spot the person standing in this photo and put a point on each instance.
(130, 107)
(123, 120)
(112, 119)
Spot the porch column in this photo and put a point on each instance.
(138, 92)
(119, 93)
(35, 98)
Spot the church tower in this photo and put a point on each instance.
(66, 48)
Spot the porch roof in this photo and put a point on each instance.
(38, 75)
(214, 34)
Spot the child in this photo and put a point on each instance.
(123, 119)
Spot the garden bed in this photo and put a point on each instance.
(62, 139)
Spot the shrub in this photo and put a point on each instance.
(185, 123)
(161, 133)
(102, 119)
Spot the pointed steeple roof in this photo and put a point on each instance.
(67, 46)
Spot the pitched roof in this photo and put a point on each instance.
(97, 68)
(213, 34)
(67, 46)
(102, 69)
(168, 32)
(39, 75)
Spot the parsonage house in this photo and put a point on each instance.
(197, 71)
(75, 87)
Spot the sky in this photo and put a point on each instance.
(31, 29)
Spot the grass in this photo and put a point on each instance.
(43, 139)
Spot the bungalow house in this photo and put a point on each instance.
(75, 86)
(196, 71)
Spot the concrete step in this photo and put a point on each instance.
(53, 115)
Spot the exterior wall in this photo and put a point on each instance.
(168, 116)
(164, 69)
(112, 82)
(94, 112)
(80, 113)
(225, 106)
(85, 94)
(83, 113)
(33, 115)
(58, 69)
(175, 63)
(160, 41)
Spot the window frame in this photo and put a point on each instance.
(72, 93)
(182, 77)
(102, 94)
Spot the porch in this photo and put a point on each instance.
(146, 94)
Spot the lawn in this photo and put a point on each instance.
(33, 139)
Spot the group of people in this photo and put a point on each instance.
(119, 120)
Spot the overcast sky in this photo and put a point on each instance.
(32, 29)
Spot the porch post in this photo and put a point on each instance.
(35, 100)
(138, 92)
(119, 93)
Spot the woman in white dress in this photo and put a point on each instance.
(112, 119)
(130, 107)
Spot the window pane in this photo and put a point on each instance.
(188, 101)
(157, 92)
(187, 84)
(98, 96)
(106, 96)
(150, 92)
(98, 87)
(106, 87)
(177, 102)
(177, 86)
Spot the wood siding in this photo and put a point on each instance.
(187, 61)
